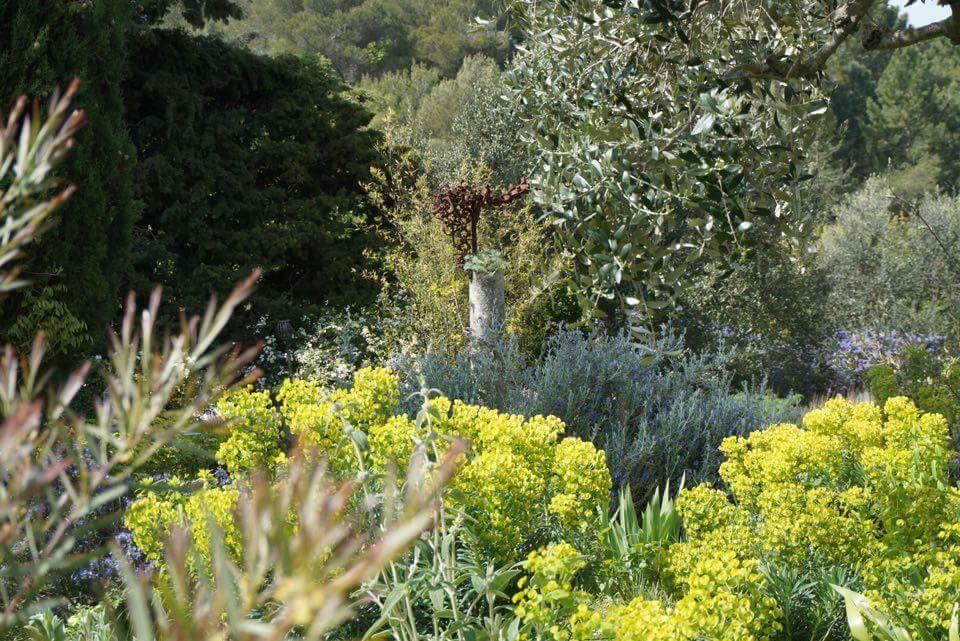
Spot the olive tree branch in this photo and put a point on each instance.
(846, 20)
(881, 39)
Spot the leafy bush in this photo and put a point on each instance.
(85, 624)
(639, 160)
(855, 353)
(765, 306)
(374, 36)
(890, 265)
(42, 310)
(863, 489)
(427, 289)
(933, 382)
(659, 410)
(546, 592)
(64, 472)
(254, 432)
(882, 277)
(450, 123)
(247, 161)
(62, 469)
(444, 587)
(81, 263)
(327, 347)
(288, 558)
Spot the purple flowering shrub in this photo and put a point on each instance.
(854, 353)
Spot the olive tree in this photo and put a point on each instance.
(665, 130)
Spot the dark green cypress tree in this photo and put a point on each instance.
(84, 259)
(248, 161)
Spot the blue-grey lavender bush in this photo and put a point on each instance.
(658, 409)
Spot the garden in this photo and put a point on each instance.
(479, 320)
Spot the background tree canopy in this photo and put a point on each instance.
(450, 122)
(659, 166)
(364, 37)
(195, 12)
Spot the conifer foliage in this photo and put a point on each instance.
(85, 255)
(246, 161)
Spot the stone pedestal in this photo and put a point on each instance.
(486, 307)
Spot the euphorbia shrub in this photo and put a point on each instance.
(934, 383)
(520, 483)
(855, 492)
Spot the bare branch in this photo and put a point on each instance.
(880, 39)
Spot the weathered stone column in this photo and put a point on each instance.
(487, 305)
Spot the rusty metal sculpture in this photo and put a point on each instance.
(459, 209)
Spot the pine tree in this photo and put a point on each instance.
(914, 122)
(856, 73)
